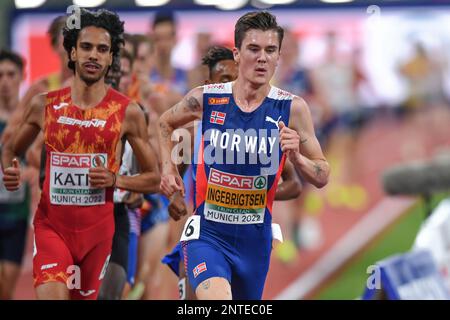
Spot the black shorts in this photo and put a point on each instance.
(119, 252)
(12, 242)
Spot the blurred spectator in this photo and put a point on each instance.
(14, 206)
(199, 73)
(49, 82)
(334, 83)
(424, 78)
(164, 74)
(289, 74)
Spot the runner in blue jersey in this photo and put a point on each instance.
(222, 68)
(245, 142)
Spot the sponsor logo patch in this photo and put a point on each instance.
(217, 117)
(199, 269)
(218, 100)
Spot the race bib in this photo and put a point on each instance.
(235, 199)
(191, 230)
(182, 289)
(13, 197)
(69, 179)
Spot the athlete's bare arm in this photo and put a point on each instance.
(291, 186)
(18, 115)
(16, 146)
(134, 129)
(190, 108)
(302, 146)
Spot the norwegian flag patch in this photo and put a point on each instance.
(199, 269)
(217, 117)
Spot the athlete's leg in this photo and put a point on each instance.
(154, 245)
(116, 274)
(208, 270)
(51, 262)
(93, 269)
(9, 273)
(52, 291)
(215, 288)
(114, 282)
(12, 246)
(251, 265)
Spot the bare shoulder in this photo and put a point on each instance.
(133, 112)
(299, 110)
(34, 113)
(37, 103)
(194, 98)
(299, 105)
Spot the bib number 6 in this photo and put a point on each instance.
(191, 229)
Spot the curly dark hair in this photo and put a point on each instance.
(216, 54)
(101, 18)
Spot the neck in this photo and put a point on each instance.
(249, 95)
(86, 96)
(8, 104)
(164, 67)
(65, 73)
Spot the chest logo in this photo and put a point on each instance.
(217, 117)
(270, 119)
(59, 106)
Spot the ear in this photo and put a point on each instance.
(236, 55)
(278, 58)
(73, 54)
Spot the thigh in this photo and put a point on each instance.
(250, 270)
(9, 273)
(215, 288)
(203, 261)
(51, 256)
(92, 271)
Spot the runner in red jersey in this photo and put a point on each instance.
(84, 127)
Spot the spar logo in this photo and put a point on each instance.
(77, 160)
(235, 181)
(72, 161)
(260, 182)
(102, 160)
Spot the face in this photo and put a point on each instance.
(224, 71)
(60, 51)
(125, 79)
(258, 56)
(93, 54)
(144, 59)
(10, 78)
(129, 47)
(164, 37)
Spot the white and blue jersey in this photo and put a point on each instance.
(237, 165)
